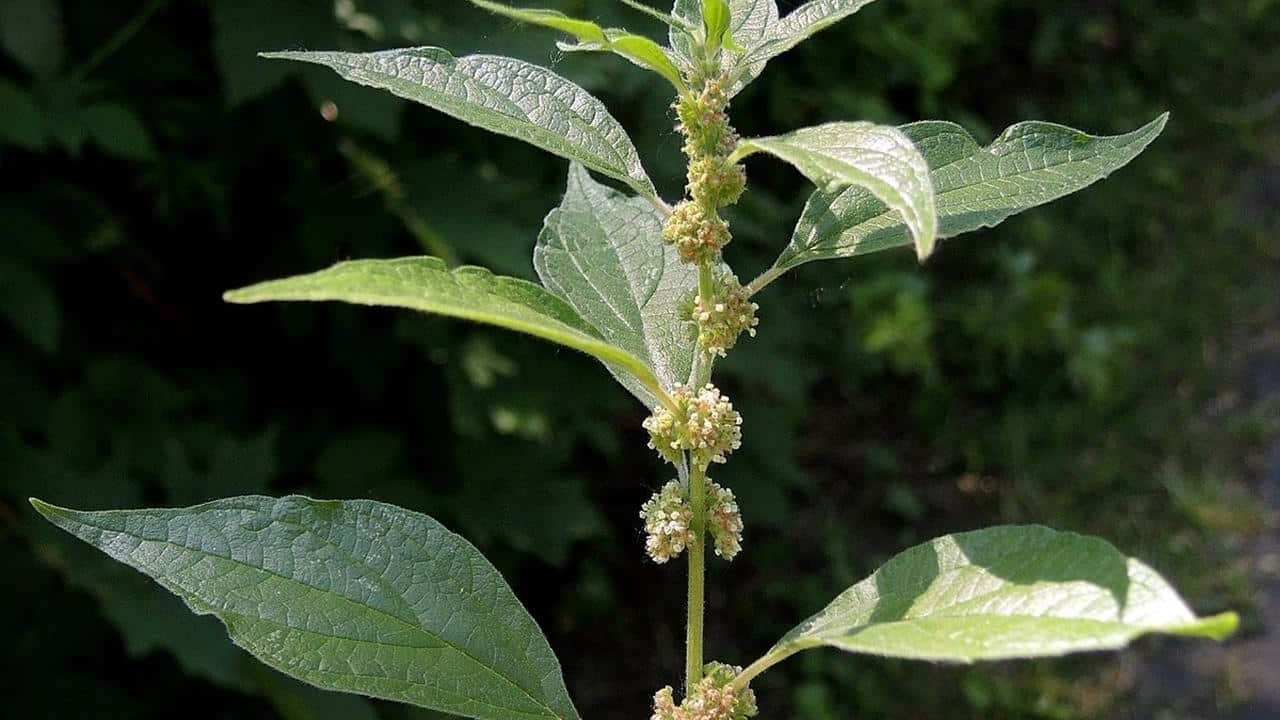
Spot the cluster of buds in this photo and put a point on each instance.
(724, 520)
(696, 234)
(704, 121)
(724, 317)
(702, 423)
(712, 699)
(695, 227)
(668, 521)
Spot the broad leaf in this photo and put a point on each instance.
(1030, 164)
(503, 95)
(470, 293)
(640, 50)
(1000, 593)
(880, 159)
(603, 253)
(356, 596)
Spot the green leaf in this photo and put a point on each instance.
(603, 253)
(356, 596)
(31, 32)
(118, 131)
(640, 50)
(1030, 164)
(1001, 593)
(503, 95)
(31, 304)
(469, 293)
(716, 17)
(750, 23)
(880, 159)
(585, 30)
(802, 23)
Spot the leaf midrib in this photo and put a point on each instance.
(461, 651)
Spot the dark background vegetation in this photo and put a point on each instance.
(1085, 365)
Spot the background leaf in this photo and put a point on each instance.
(355, 596)
(503, 95)
(1030, 164)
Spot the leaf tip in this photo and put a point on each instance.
(1216, 627)
(48, 511)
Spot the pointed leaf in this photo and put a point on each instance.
(603, 253)
(585, 30)
(503, 95)
(800, 24)
(881, 159)
(1030, 164)
(470, 293)
(1000, 593)
(640, 50)
(356, 596)
(715, 21)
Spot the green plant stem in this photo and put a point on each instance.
(746, 676)
(697, 579)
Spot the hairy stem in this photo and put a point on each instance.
(697, 578)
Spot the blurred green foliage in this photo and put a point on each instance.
(1078, 366)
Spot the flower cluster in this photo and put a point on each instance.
(724, 520)
(696, 234)
(729, 313)
(712, 699)
(702, 423)
(668, 522)
(695, 227)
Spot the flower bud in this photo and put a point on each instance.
(702, 423)
(727, 315)
(667, 521)
(712, 699)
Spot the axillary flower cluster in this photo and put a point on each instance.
(697, 425)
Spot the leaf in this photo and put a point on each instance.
(118, 131)
(760, 34)
(469, 293)
(800, 24)
(881, 159)
(503, 95)
(31, 32)
(585, 30)
(716, 17)
(1030, 164)
(603, 253)
(640, 50)
(750, 23)
(356, 596)
(1001, 593)
(31, 305)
